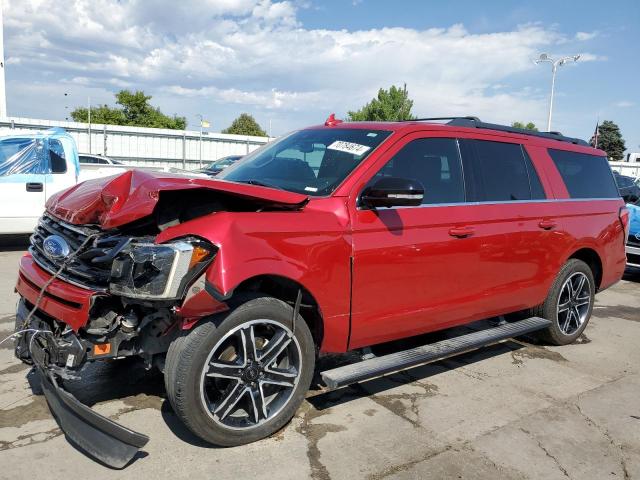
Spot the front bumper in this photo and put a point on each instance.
(633, 256)
(61, 300)
(99, 437)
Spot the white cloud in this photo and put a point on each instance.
(255, 54)
(624, 104)
(584, 36)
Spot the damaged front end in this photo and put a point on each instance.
(120, 295)
(97, 284)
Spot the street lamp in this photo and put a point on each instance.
(545, 58)
(203, 124)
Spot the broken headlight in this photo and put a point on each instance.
(159, 271)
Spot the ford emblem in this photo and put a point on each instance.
(638, 236)
(56, 247)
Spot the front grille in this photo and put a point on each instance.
(632, 241)
(90, 267)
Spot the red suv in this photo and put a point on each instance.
(333, 238)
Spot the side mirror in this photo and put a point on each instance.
(393, 192)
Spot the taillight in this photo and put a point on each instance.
(624, 220)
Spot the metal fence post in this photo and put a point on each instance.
(104, 136)
(184, 150)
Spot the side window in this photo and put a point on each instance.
(585, 176)
(56, 155)
(435, 162)
(499, 172)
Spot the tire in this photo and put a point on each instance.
(214, 365)
(564, 331)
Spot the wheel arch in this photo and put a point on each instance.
(593, 260)
(286, 289)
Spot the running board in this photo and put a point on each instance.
(394, 362)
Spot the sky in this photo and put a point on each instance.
(291, 63)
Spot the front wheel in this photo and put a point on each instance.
(569, 304)
(241, 379)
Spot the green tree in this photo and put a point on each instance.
(135, 111)
(610, 140)
(527, 126)
(390, 105)
(245, 124)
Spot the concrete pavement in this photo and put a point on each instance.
(517, 411)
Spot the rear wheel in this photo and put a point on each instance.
(241, 379)
(569, 304)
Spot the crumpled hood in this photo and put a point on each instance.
(120, 199)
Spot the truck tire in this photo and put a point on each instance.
(569, 304)
(241, 377)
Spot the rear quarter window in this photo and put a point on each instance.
(584, 175)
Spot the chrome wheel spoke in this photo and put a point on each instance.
(275, 347)
(580, 286)
(258, 403)
(563, 307)
(220, 369)
(277, 376)
(247, 337)
(582, 301)
(230, 399)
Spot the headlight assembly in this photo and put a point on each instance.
(159, 271)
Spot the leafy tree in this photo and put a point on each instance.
(610, 140)
(135, 111)
(390, 105)
(527, 126)
(245, 124)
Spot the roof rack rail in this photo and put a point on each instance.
(475, 122)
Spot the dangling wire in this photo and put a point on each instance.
(67, 260)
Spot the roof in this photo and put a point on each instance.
(469, 125)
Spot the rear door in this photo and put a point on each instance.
(508, 199)
(23, 164)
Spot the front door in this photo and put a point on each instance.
(419, 268)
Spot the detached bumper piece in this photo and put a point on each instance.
(394, 362)
(99, 437)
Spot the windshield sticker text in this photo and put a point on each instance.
(348, 147)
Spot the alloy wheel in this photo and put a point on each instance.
(574, 303)
(251, 374)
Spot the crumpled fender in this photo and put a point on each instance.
(311, 247)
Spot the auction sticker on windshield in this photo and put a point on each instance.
(348, 147)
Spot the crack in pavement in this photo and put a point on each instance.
(605, 432)
(547, 453)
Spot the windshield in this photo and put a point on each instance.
(222, 163)
(313, 162)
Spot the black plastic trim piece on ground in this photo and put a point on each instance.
(394, 362)
(99, 437)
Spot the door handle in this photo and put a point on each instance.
(34, 187)
(547, 224)
(461, 232)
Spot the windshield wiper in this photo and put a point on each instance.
(260, 183)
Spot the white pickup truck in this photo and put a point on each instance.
(35, 165)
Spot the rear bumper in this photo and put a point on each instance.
(62, 301)
(633, 256)
(97, 436)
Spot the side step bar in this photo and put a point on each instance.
(394, 362)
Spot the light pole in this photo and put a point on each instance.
(545, 58)
(203, 123)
